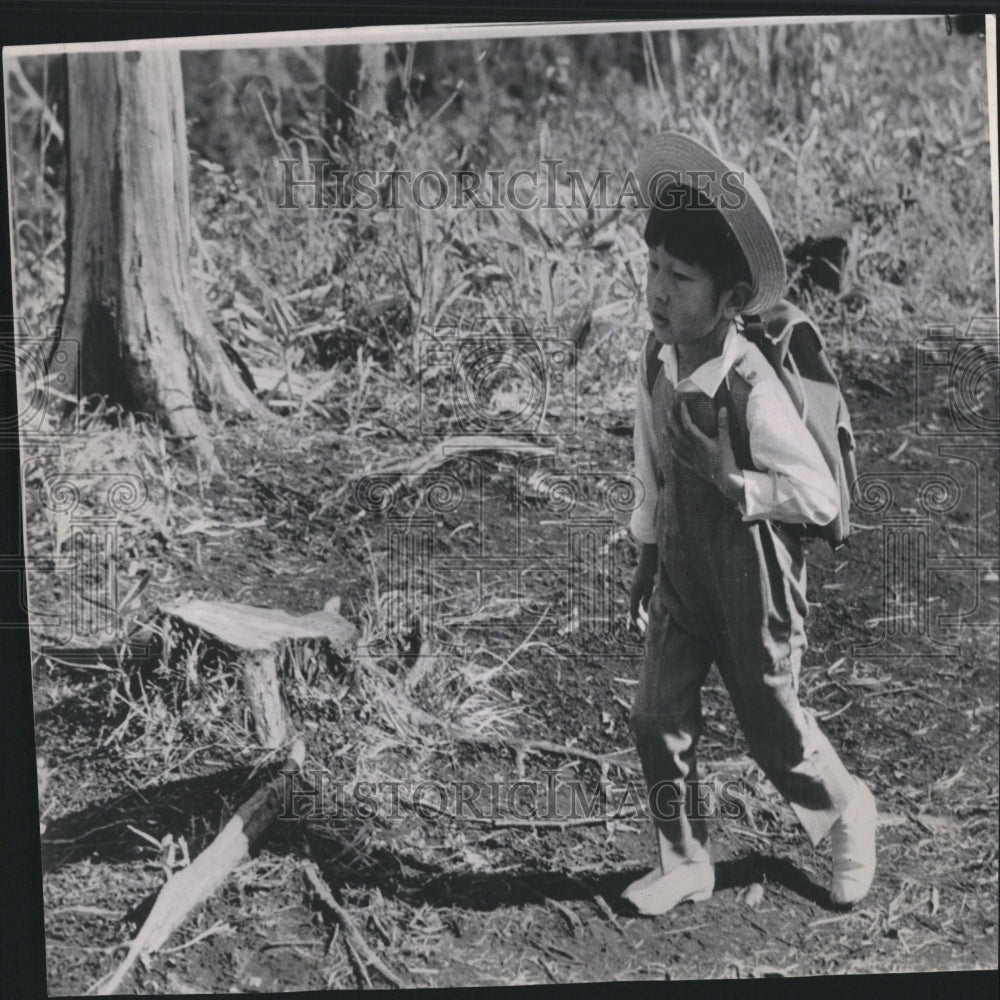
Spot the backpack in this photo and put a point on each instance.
(792, 344)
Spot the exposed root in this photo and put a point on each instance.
(356, 943)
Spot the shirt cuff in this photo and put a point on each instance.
(758, 495)
(643, 527)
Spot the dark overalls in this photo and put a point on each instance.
(733, 593)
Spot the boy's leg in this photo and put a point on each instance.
(760, 642)
(666, 720)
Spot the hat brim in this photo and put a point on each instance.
(671, 157)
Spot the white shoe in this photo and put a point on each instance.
(656, 893)
(639, 885)
(852, 841)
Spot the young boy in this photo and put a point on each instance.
(723, 576)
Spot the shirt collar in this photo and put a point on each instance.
(707, 377)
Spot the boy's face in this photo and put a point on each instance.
(682, 299)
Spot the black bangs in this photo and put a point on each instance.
(689, 227)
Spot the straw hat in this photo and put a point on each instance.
(671, 158)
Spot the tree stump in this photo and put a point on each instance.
(258, 639)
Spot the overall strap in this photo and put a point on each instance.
(739, 435)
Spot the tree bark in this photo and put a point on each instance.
(372, 80)
(356, 80)
(143, 334)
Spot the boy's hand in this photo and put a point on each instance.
(642, 583)
(710, 458)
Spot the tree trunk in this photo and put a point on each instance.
(480, 53)
(341, 64)
(372, 80)
(356, 79)
(144, 336)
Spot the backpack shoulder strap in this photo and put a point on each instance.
(781, 319)
(771, 331)
(791, 342)
(653, 361)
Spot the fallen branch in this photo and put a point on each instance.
(524, 822)
(193, 885)
(354, 939)
(519, 746)
(499, 823)
(455, 447)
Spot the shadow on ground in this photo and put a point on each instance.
(105, 832)
(194, 808)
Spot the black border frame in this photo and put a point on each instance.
(22, 951)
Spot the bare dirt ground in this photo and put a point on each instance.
(459, 900)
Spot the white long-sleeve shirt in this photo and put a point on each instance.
(794, 483)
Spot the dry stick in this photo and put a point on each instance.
(354, 938)
(50, 119)
(524, 746)
(360, 969)
(456, 446)
(194, 884)
(575, 924)
(501, 822)
(599, 901)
